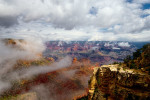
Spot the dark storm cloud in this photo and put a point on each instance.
(8, 21)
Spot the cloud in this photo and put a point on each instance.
(117, 16)
(124, 44)
(141, 1)
(26, 73)
(9, 55)
(8, 21)
(23, 50)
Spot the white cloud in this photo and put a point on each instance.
(72, 19)
(124, 44)
(29, 49)
(141, 1)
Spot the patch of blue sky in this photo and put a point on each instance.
(130, 1)
(110, 29)
(93, 11)
(146, 6)
(103, 30)
(145, 15)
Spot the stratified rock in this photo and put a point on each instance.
(113, 82)
(26, 96)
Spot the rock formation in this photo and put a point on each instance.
(113, 82)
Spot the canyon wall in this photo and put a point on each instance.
(113, 82)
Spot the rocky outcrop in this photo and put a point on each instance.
(113, 82)
(25, 96)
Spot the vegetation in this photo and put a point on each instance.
(83, 98)
(140, 59)
(97, 77)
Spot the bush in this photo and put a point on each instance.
(141, 59)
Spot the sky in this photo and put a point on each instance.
(73, 20)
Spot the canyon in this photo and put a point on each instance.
(114, 82)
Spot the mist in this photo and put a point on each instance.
(25, 73)
(29, 49)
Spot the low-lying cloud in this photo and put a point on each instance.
(124, 44)
(23, 50)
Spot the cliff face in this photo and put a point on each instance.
(112, 82)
